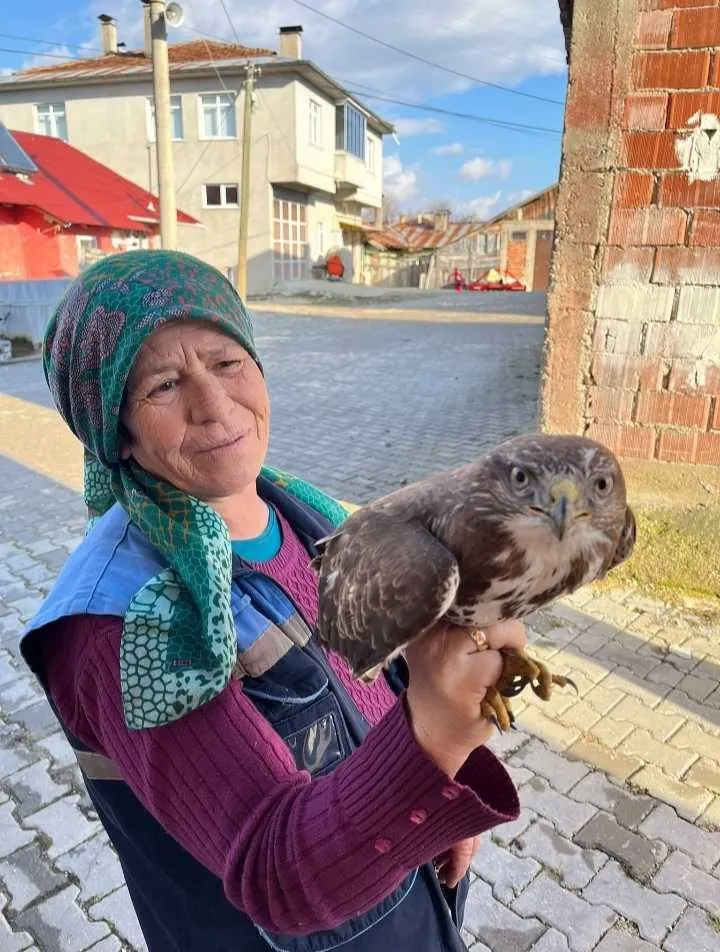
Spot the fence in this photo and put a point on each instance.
(26, 306)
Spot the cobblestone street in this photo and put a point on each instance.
(617, 848)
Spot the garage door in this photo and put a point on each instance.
(291, 254)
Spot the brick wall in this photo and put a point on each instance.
(633, 347)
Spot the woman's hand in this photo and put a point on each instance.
(449, 678)
(452, 865)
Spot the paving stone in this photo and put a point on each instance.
(574, 865)
(11, 941)
(673, 761)
(562, 772)
(620, 940)
(638, 854)
(17, 695)
(566, 814)
(639, 689)
(548, 729)
(37, 719)
(8, 671)
(705, 773)
(629, 809)
(660, 725)
(552, 941)
(507, 873)
(695, 932)
(581, 922)
(111, 944)
(14, 758)
(709, 819)
(26, 607)
(698, 688)
(692, 737)
(688, 800)
(679, 875)
(496, 925)
(503, 745)
(509, 832)
(610, 761)
(58, 748)
(96, 867)
(654, 914)
(12, 836)
(64, 824)
(34, 788)
(609, 732)
(60, 924)
(117, 908)
(664, 823)
(604, 696)
(26, 875)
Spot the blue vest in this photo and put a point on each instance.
(181, 906)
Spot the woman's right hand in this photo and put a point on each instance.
(449, 679)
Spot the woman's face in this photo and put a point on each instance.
(197, 411)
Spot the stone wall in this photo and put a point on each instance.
(633, 344)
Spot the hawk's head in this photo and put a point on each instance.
(563, 489)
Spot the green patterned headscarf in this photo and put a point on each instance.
(178, 647)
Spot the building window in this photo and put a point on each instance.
(492, 244)
(218, 116)
(315, 119)
(321, 239)
(221, 196)
(50, 119)
(350, 130)
(176, 119)
(370, 159)
(518, 236)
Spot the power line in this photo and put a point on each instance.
(502, 123)
(4, 49)
(33, 39)
(422, 59)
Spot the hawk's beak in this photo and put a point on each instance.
(563, 497)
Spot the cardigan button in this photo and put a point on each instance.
(450, 793)
(418, 816)
(382, 845)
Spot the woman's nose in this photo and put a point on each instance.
(208, 401)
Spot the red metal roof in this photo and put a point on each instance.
(74, 189)
(416, 237)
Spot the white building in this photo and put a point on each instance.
(316, 151)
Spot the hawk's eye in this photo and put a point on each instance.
(519, 479)
(603, 485)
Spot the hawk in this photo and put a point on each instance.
(533, 519)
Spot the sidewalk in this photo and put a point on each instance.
(615, 850)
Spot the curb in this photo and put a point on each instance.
(360, 312)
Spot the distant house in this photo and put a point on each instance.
(54, 221)
(317, 152)
(525, 233)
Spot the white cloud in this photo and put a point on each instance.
(453, 148)
(478, 168)
(515, 198)
(508, 45)
(56, 55)
(480, 208)
(417, 127)
(399, 182)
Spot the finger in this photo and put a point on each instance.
(506, 634)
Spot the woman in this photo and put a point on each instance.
(258, 797)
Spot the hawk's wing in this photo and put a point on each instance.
(383, 581)
(626, 542)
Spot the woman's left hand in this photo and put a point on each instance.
(455, 862)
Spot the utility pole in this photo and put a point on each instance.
(242, 262)
(163, 139)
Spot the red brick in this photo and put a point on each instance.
(628, 265)
(624, 372)
(708, 449)
(606, 404)
(617, 337)
(669, 4)
(715, 71)
(687, 266)
(649, 226)
(715, 422)
(690, 376)
(674, 447)
(677, 189)
(673, 409)
(633, 189)
(649, 150)
(670, 70)
(653, 30)
(645, 111)
(637, 442)
(679, 340)
(695, 28)
(705, 229)
(684, 105)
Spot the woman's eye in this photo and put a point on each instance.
(167, 386)
(227, 364)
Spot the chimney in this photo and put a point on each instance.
(108, 34)
(291, 41)
(148, 29)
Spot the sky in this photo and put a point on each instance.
(461, 162)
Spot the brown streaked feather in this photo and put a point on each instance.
(626, 542)
(394, 581)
